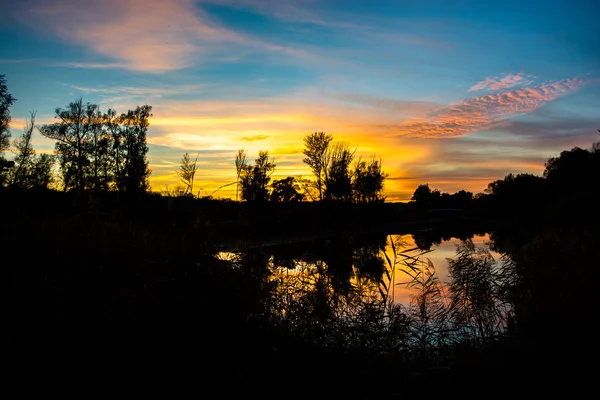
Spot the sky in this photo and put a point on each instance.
(454, 94)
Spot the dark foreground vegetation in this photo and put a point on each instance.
(272, 290)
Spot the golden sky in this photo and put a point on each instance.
(455, 96)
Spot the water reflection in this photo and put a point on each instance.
(404, 291)
(380, 292)
(351, 265)
(438, 253)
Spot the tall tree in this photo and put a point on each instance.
(73, 133)
(255, 179)
(6, 100)
(316, 151)
(338, 179)
(24, 156)
(187, 171)
(241, 162)
(368, 182)
(135, 169)
(104, 160)
(97, 149)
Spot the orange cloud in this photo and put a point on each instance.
(253, 138)
(509, 81)
(481, 113)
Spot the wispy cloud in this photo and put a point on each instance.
(497, 83)
(482, 113)
(288, 10)
(254, 138)
(146, 92)
(384, 103)
(17, 61)
(151, 36)
(320, 14)
(88, 65)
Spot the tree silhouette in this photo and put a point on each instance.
(462, 199)
(73, 133)
(113, 130)
(40, 173)
(425, 197)
(187, 171)
(255, 179)
(368, 182)
(286, 190)
(135, 169)
(573, 171)
(316, 152)
(521, 191)
(100, 153)
(24, 156)
(338, 181)
(6, 100)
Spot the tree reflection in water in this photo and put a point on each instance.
(340, 293)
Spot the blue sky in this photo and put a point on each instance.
(451, 93)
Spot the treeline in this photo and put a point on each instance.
(338, 175)
(94, 151)
(569, 185)
(98, 151)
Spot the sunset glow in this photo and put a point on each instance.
(454, 96)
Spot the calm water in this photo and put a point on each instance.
(349, 266)
(438, 255)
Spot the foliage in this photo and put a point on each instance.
(254, 180)
(425, 198)
(135, 170)
(338, 179)
(6, 100)
(368, 182)
(113, 134)
(101, 151)
(25, 153)
(316, 147)
(286, 190)
(41, 175)
(334, 179)
(30, 171)
(73, 133)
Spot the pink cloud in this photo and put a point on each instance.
(509, 81)
(143, 35)
(481, 113)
